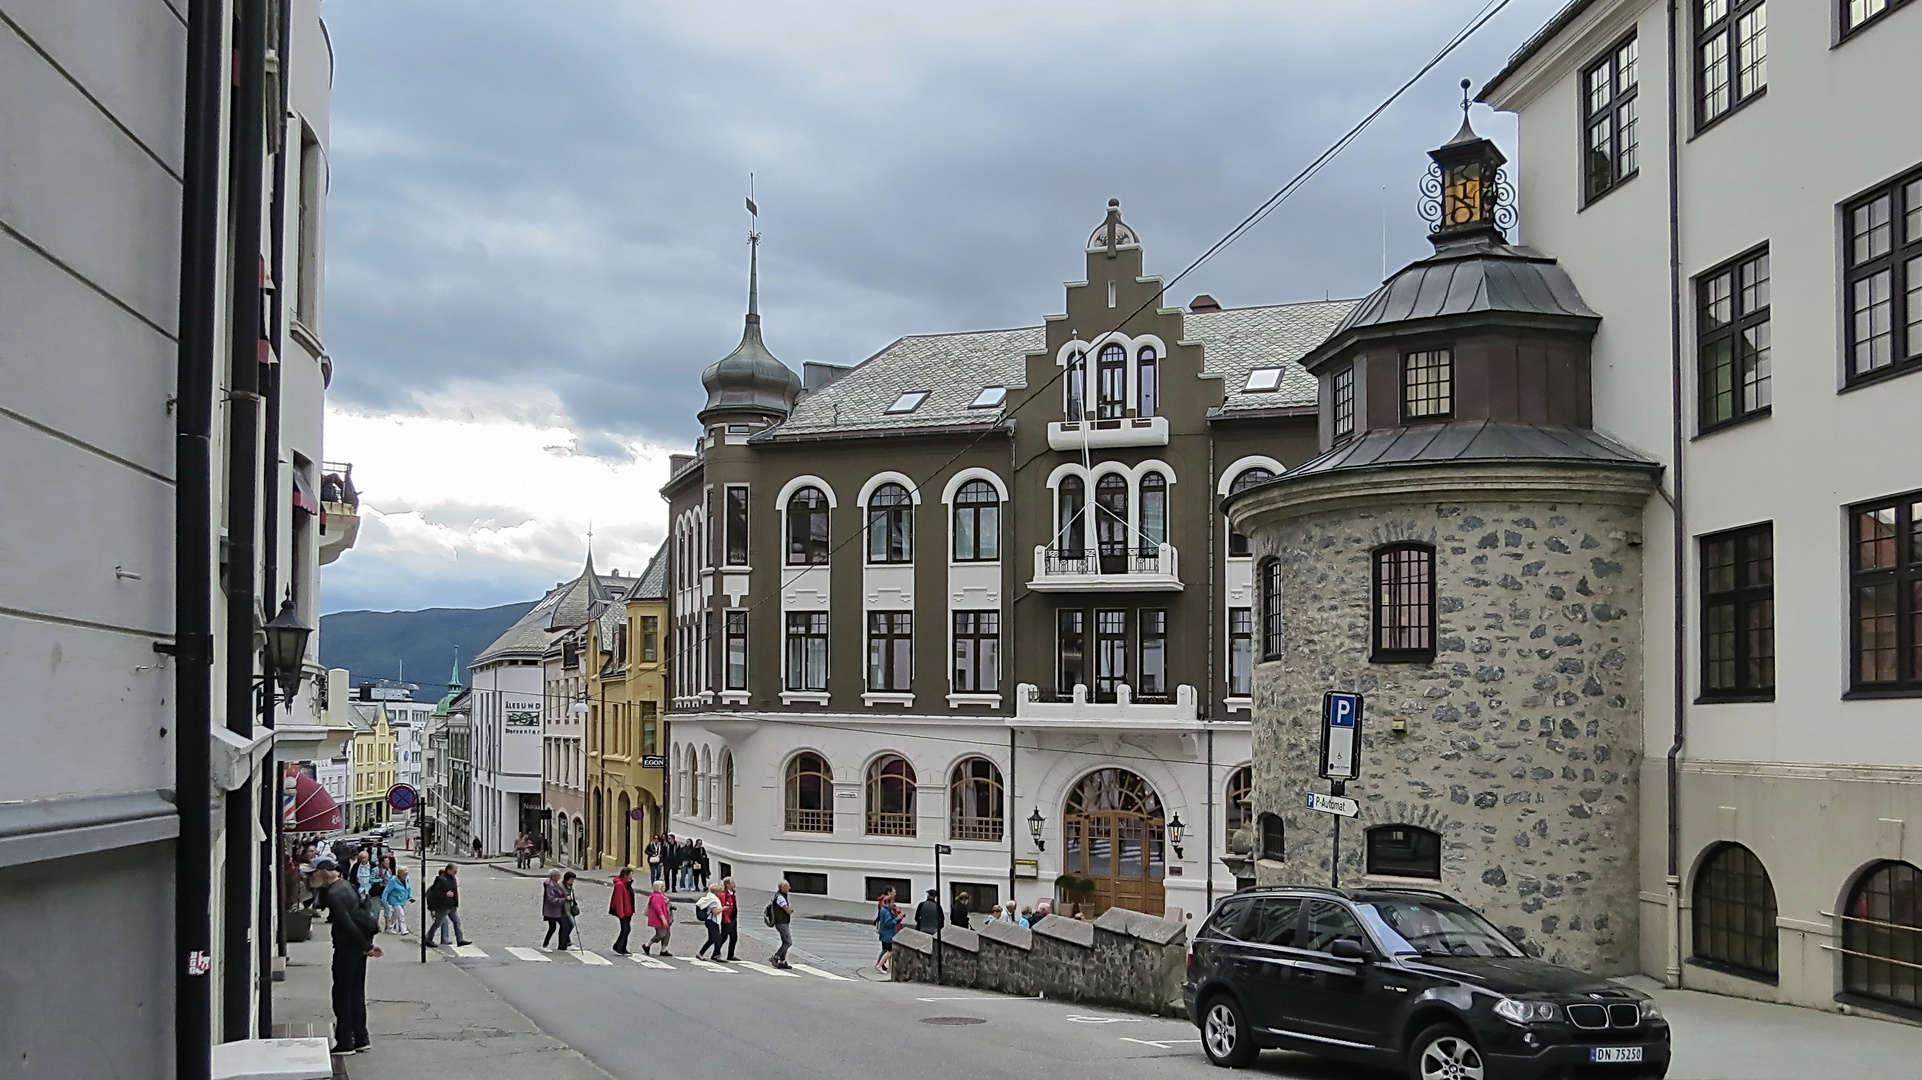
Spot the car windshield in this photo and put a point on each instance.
(1434, 928)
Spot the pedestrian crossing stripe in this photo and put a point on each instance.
(527, 954)
(470, 950)
(823, 974)
(708, 965)
(594, 959)
(647, 961)
(766, 970)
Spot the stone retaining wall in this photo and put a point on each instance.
(1124, 959)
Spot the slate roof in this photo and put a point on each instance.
(652, 584)
(528, 638)
(953, 368)
(1471, 441)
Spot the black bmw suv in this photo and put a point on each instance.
(1406, 978)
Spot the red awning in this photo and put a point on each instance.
(311, 809)
(303, 498)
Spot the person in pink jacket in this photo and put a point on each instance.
(660, 916)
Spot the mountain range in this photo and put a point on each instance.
(412, 646)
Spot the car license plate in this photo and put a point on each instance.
(1615, 1055)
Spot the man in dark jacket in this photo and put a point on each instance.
(958, 911)
(927, 914)
(671, 863)
(354, 927)
(443, 903)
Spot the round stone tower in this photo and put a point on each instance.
(1466, 554)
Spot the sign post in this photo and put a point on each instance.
(939, 850)
(403, 797)
(1340, 763)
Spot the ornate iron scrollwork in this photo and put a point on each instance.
(1430, 205)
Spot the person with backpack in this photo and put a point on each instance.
(887, 923)
(701, 865)
(660, 916)
(443, 903)
(780, 912)
(730, 918)
(708, 910)
(354, 927)
(397, 896)
(621, 906)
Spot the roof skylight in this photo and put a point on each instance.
(989, 397)
(909, 401)
(1263, 379)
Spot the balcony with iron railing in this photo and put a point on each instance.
(1106, 567)
(339, 510)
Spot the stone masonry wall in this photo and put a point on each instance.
(1521, 738)
(1124, 958)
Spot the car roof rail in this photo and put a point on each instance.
(1417, 889)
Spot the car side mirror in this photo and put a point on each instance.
(1348, 949)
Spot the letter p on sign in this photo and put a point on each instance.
(1340, 735)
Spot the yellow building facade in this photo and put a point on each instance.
(376, 769)
(626, 667)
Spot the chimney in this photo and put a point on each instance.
(1202, 303)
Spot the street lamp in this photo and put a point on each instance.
(1035, 822)
(287, 647)
(1174, 835)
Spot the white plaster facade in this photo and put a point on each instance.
(1819, 783)
(506, 702)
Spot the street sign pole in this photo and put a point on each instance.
(1340, 758)
(1336, 788)
(421, 886)
(939, 850)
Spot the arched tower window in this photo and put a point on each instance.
(1148, 367)
(1111, 383)
(890, 525)
(807, 528)
(1237, 543)
(727, 787)
(977, 522)
(891, 792)
(1404, 603)
(808, 794)
(1271, 637)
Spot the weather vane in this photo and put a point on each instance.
(754, 227)
(1464, 109)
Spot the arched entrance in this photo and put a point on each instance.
(1112, 826)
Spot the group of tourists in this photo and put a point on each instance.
(929, 919)
(680, 865)
(718, 909)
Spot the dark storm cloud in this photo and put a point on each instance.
(550, 193)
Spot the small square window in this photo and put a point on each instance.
(989, 397)
(908, 402)
(1263, 379)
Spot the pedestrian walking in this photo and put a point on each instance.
(522, 847)
(701, 864)
(653, 852)
(570, 913)
(730, 918)
(958, 912)
(443, 903)
(360, 872)
(670, 862)
(398, 895)
(708, 909)
(553, 909)
(477, 847)
(780, 913)
(660, 916)
(927, 914)
(621, 906)
(887, 923)
(353, 927)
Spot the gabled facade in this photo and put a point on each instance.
(626, 715)
(980, 573)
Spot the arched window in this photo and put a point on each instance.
(974, 801)
(693, 770)
(1074, 386)
(1150, 379)
(1404, 851)
(890, 525)
(1154, 512)
(1882, 933)
(1240, 800)
(1273, 836)
(707, 781)
(566, 838)
(1404, 604)
(1734, 912)
(807, 528)
(727, 787)
(890, 796)
(1111, 522)
(1071, 509)
(680, 779)
(809, 794)
(1111, 370)
(1247, 478)
(977, 522)
(1271, 610)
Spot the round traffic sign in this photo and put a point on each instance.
(402, 797)
(637, 814)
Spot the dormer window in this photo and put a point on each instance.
(1262, 380)
(1428, 385)
(1342, 388)
(990, 397)
(908, 402)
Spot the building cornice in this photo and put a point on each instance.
(1626, 484)
(1565, 42)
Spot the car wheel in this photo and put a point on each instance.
(1225, 1035)
(1445, 1052)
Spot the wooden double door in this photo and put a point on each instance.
(1114, 836)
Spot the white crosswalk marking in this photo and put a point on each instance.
(811, 970)
(648, 961)
(528, 954)
(469, 950)
(594, 959)
(708, 965)
(766, 970)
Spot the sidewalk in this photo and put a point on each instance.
(429, 1019)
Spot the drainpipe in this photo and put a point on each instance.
(243, 505)
(1208, 857)
(193, 539)
(1679, 537)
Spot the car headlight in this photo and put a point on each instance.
(1526, 1012)
(1650, 1010)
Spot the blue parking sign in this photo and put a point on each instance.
(1340, 735)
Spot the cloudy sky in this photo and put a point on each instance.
(536, 237)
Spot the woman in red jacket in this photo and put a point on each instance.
(622, 905)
